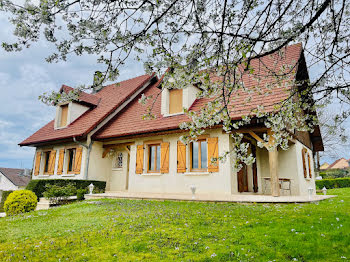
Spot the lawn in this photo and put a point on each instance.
(135, 230)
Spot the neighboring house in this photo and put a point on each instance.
(102, 136)
(324, 166)
(341, 163)
(13, 178)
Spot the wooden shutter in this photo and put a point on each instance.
(52, 161)
(309, 160)
(175, 101)
(164, 157)
(64, 115)
(60, 162)
(37, 163)
(77, 160)
(304, 162)
(213, 152)
(181, 157)
(139, 159)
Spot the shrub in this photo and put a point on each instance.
(333, 183)
(38, 186)
(4, 196)
(20, 201)
(81, 193)
(334, 173)
(58, 194)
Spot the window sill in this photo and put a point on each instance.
(200, 173)
(308, 179)
(175, 114)
(61, 127)
(43, 175)
(68, 175)
(117, 169)
(151, 174)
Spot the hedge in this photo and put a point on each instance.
(333, 183)
(5, 194)
(38, 186)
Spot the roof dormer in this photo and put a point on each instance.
(66, 113)
(175, 100)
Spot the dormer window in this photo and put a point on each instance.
(64, 116)
(175, 101)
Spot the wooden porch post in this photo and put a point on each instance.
(273, 163)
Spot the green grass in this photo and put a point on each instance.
(132, 230)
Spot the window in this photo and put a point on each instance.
(47, 160)
(64, 116)
(306, 163)
(71, 160)
(199, 155)
(175, 101)
(118, 162)
(153, 158)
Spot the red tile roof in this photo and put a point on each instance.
(110, 98)
(16, 176)
(83, 97)
(129, 121)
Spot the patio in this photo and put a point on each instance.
(241, 198)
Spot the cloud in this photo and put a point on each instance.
(23, 77)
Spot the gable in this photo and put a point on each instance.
(110, 98)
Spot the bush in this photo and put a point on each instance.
(38, 186)
(4, 196)
(58, 194)
(333, 183)
(334, 173)
(81, 193)
(20, 201)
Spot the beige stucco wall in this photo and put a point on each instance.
(99, 168)
(222, 182)
(290, 166)
(174, 182)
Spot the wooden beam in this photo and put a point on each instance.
(247, 130)
(118, 145)
(148, 142)
(105, 152)
(256, 137)
(127, 149)
(273, 163)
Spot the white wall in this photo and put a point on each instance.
(6, 184)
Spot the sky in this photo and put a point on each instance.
(23, 77)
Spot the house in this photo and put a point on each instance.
(13, 178)
(101, 136)
(341, 163)
(324, 166)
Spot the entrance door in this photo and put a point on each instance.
(242, 178)
(120, 172)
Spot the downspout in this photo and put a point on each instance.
(89, 147)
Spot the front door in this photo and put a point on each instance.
(242, 178)
(120, 170)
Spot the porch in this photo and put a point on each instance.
(241, 198)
